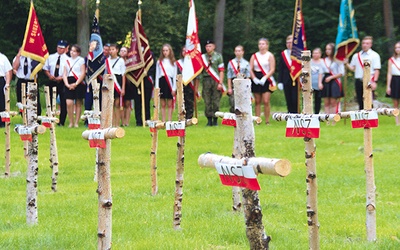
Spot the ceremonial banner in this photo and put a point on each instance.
(192, 64)
(140, 58)
(299, 40)
(95, 58)
(364, 119)
(34, 45)
(237, 176)
(347, 37)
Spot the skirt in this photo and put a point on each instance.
(395, 87)
(165, 91)
(76, 94)
(129, 90)
(331, 89)
(256, 88)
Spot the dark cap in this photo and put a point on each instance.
(209, 42)
(62, 44)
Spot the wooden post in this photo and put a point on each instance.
(310, 153)
(103, 169)
(245, 143)
(53, 140)
(7, 134)
(180, 166)
(24, 118)
(154, 145)
(368, 158)
(31, 179)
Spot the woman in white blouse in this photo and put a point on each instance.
(393, 78)
(166, 80)
(74, 74)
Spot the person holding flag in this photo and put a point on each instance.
(5, 79)
(189, 90)
(213, 82)
(166, 70)
(357, 65)
(22, 68)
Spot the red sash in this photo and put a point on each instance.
(285, 59)
(117, 87)
(70, 70)
(394, 63)
(166, 76)
(336, 79)
(209, 69)
(262, 70)
(234, 67)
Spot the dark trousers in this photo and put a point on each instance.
(317, 101)
(188, 94)
(137, 98)
(60, 93)
(359, 93)
(2, 99)
(19, 93)
(291, 96)
(89, 97)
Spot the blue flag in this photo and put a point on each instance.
(95, 58)
(299, 40)
(347, 37)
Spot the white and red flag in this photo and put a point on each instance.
(364, 119)
(192, 64)
(238, 176)
(303, 127)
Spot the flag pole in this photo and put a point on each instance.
(97, 12)
(142, 81)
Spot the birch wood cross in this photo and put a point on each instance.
(368, 118)
(104, 230)
(5, 117)
(93, 116)
(245, 159)
(49, 121)
(301, 128)
(229, 119)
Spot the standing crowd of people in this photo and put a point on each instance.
(66, 70)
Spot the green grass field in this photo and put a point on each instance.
(68, 218)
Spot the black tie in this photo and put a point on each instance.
(238, 67)
(209, 61)
(26, 66)
(57, 67)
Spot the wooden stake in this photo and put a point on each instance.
(24, 120)
(7, 134)
(154, 145)
(310, 150)
(180, 167)
(368, 159)
(245, 141)
(53, 140)
(104, 173)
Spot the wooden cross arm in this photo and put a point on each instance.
(37, 129)
(10, 113)
(255, 119)
(52, 119)
(321, 117)
(269, 166)
(380, 111)
(188, 122)
(109, 133)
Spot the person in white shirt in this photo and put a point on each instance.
(393, 78)
(166, 70)
(54, 70)
(357, 65)
(74, 87)
(22, 67)
(5, 79)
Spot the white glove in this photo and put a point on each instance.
(256, 81)
(263, 80)
(280, 86)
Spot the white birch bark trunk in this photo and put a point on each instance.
(53, 141)
(154, 145)
(368, 160)
(7, 135)
(96, 114)
(32, 172)
(24, 119)
(310, 153)
(180, 167)
(104, 176)
(236, 197)
(246, 140)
